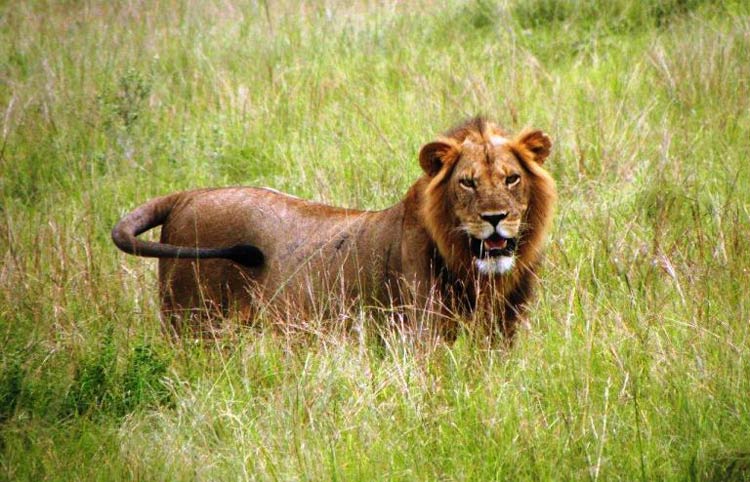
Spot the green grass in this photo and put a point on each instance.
(637, 363)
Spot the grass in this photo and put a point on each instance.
(637, 363)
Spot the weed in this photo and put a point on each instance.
(11, 386)
(144, 381)
(126, 102)
(93, 379)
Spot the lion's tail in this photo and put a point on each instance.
(154, 213)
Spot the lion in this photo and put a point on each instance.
(464, 243)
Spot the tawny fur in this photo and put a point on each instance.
(277, 253)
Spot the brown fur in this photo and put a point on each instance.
(254, 250)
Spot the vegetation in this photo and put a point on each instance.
(637, 361)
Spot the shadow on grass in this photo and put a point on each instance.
(727, 467)
(100, 385)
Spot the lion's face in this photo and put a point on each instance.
(480, 192)
(491, 195)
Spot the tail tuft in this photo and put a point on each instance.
(246, 255)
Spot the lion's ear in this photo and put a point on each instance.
(433, 156)
(534, 144)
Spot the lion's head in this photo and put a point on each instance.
(488, 201)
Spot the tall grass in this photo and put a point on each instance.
(637, 361)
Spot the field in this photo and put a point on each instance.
(636, 364)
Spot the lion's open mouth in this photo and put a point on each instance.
(492, 247)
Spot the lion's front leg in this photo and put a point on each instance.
(516, 303)
(424, 306)
(497, 314)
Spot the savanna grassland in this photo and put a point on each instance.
(636, 364)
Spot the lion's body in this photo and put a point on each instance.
(298, 255)
(308, 248)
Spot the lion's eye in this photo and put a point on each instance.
(468, 183)
(512, 179)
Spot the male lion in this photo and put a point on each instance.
(464, 243)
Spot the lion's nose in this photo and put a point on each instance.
(494, 218)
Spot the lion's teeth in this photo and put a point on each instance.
(495, 244)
